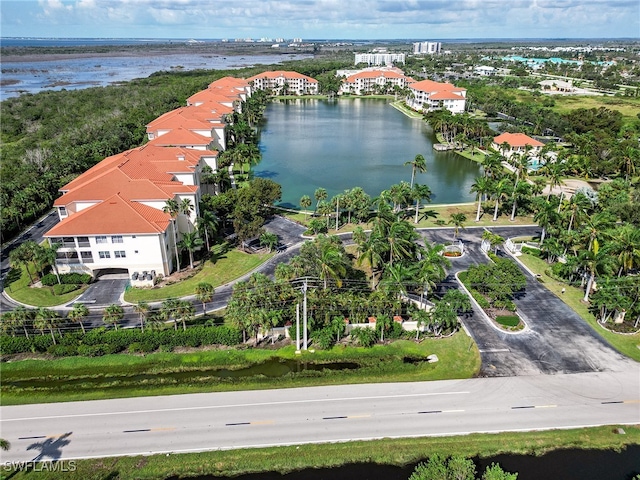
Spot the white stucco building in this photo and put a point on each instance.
(428, 95)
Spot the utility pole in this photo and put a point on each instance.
(297, 327)
(304, 314)
(337, 210)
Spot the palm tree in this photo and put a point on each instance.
(320, 195)
(492, 165)
(172, 208)
(204, 293)
(5, 445)
(269, 240)
(113, 314)
(331, 262)
(374, 252)
(417, 164)
(46, 319)
(190, 242)
(457, 220)
(625, 245)
(208, 221)
(78, 313)
(501, 191)
(396, 278)
(21, 318)
(186, 207)
(431, 268)
(142, 308)
(419, 193)
(480, 187)
(305, 202)
(168, 311)
(545, 216)
(48, 254)
(593, 262)
(401, 238)
(184, 311)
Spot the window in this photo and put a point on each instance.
(102, 239)
(104, 254)
(63, 211)
(87, 257)
(83, 242)
(116, 239)
(120, 254)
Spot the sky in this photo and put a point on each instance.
(320, 19)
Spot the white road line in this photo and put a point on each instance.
(237, 405)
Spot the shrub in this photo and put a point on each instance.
(508, 320)
(365, 337)
(535, 252)
(323, 338)
(90, 350)
(10, 345)
(49, 280)
(61, 289)
(62, 350)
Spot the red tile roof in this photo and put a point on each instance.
(282, 73)
(181, 137)
(517, 140)
(431, 87)
(113, 216)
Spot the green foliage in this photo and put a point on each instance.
(323, 338)
(497, 281)
(101, 341)
(365, 337)
(508, 320)
(441, 468)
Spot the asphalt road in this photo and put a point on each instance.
(557, 340)
(200, 422)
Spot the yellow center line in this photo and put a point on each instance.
(545, 406)
(165, 429)
(632, 401)
(359, 416)
(263, 422)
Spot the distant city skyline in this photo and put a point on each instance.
(320, 19)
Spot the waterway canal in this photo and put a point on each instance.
(340, 144)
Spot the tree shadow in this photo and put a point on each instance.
(51, 448)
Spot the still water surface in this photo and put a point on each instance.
(341, 144)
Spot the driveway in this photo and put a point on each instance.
(106, 290)
(557, 340)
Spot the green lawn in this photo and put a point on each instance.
(399, 452)
(123, 375)
(21, 292)
(226, 267)
(629, 345)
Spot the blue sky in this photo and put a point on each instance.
(326, 19)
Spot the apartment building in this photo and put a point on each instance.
(427, 48)
(372, 80)
(283, 83)
(428, 95)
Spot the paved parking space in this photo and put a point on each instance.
(104, 291)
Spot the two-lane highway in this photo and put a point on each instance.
(201, 422)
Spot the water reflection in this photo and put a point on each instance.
(340, 144)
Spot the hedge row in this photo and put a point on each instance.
(50, 279)
(101, 341)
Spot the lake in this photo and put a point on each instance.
(344, 143)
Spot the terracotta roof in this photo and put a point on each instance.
(113, 216)
(517, 140)
(374, 74)
(214, 95)
(181, 136)
(192, 118)
(282, 73)
(431, 86)
(446, 95)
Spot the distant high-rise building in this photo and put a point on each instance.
(426, 48)
(379, 58)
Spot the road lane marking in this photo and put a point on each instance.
(359, 416)
(335, 418)
(31, 438)
(431, 411)
(236, 424)
(452, 411)
(263, 422)
(237, 405)
(137, 430)
(533, 406)
(524, 406)
(495, 350)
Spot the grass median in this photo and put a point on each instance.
(122, 376)
(23, 292)
(628, 345)
(396, 452)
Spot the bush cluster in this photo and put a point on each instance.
(64, 288)
(100, 341)
(50, 280)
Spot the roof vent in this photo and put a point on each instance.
(181, 157)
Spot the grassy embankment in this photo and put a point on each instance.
(629, 345)
(119, 376)
(398, 452)
(224, 267)
(21, 291)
